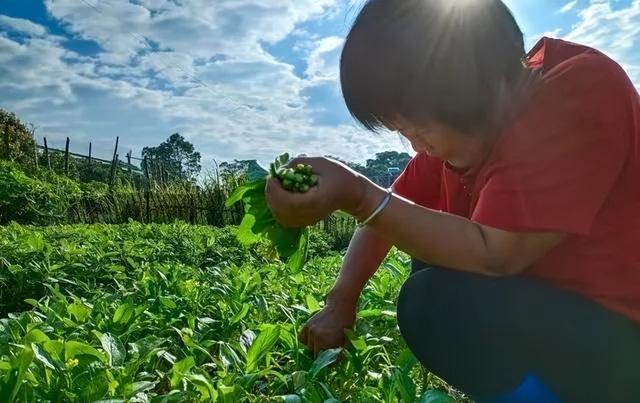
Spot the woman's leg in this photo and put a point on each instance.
(485, 335)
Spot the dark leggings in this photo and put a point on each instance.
(484, 335)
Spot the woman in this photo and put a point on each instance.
(520, 208)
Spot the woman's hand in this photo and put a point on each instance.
(339, 188)
(326, 329)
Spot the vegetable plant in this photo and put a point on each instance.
(290, 243)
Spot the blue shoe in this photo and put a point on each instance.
(531, 390)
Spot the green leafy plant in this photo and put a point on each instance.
(181, 313)
(289, 243)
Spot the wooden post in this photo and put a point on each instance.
(90, 156)
(46, 154)
(147, 190)
(114, 167)
(113, 161)
(35, 153)
(66, 158)
(129, 162)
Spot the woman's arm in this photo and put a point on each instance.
(367, 250)
(326, 328)
(448, 240)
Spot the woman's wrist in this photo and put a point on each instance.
(364, 197)
(341, 295)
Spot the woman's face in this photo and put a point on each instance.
(461, 150)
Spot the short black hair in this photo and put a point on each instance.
(438, 61)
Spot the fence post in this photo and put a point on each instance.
(147, 189)
(129, 162)
(35, 153)
(113, 161)
(46, 154)
(90, 156)
(114, 168)
(66, 158)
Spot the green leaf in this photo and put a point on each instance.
(245, 234)
(405, 385)
(326, 358)
(124, 313)
(406, 360)
(204, 386)
(290, 398)
(78, 311)
(12, 385)
(36, 336)
(435, 396)
(262, 345)
(168, 302)
(54, 348)
(41, 356)
(240, 192)
(312, 303)
(75, 348)
(286, 240)
(180, 369)
(240, 315)
(142, 386)
(114, 348)
(299, 257)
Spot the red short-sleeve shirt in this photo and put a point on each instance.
(569, 162)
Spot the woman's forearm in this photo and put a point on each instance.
(431, 236)
(366, 251)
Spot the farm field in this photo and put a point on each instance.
(183, 313)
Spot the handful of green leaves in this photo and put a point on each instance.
(290, 243)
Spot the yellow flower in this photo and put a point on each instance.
(72, 363)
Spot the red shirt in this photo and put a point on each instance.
(568, 162)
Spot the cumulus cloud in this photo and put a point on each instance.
(22, 26)
(323, 60)
(198, 67)
(613, 31)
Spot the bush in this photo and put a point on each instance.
(25, 199)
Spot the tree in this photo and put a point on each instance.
(16, 140)
(382, 169)
(250, 168)
(175, 158)
(385, 167)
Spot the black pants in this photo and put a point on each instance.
(483, 335)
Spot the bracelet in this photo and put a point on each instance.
(378, 210)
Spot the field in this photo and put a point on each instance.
(182, 313)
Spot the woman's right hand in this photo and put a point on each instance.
(326, 329)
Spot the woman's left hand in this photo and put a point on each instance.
(339, 188)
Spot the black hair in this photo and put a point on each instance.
(441, 61)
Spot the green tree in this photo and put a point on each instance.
(250, 168)
(176, 158)
(385, 167)
(382, 169)
(16, 140)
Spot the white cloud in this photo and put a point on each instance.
(21, 25)
(324, 58)
(198, 67)
(615, 32)
(568, 7)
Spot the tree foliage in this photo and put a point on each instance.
(382, 169)
(176, 157)
(239, 168)
(20, 139)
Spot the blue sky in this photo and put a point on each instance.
(241, 79)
